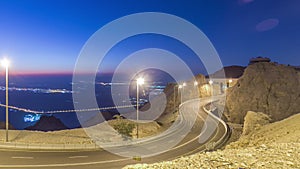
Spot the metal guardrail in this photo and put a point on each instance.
(33, 146)
(227, 133)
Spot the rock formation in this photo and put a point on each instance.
(265, 87)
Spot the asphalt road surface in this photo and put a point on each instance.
(104, 159)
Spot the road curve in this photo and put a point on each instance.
(104, 159)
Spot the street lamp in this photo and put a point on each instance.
(174, 89)
(196, 85)
(229, 82)
(211, 86)
(139, 81)
(182, 91)
(179, 88)
(5, 63)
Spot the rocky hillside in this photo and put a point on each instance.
(274, 145)
(48, 123)
(264, 87)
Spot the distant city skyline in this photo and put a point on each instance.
(47, 36)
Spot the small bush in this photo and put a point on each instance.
(124, 128)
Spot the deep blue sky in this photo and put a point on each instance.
(47, 35)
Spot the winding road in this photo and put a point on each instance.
(191, 143)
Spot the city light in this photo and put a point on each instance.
(140, 81)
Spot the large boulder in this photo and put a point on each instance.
(265, 87)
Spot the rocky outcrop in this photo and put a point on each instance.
(265, 87)
(254, 121)
(48, 123)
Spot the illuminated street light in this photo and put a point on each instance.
(229, 82)
(139, 81)
(5, 63)
(211, 82)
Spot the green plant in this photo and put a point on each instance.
(124, 128)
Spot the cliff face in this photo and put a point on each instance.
(265, 87)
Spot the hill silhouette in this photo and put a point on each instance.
(230, 72)
(48, 123)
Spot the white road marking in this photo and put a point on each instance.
(171, 141)
(22, 157)
(78, 157)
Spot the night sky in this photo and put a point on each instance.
(46, 36)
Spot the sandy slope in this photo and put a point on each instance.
(275, 145)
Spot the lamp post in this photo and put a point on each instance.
(5, 63)
(174, 89)
(179, 88)
(196, 85)
(183, 85)
(139, 81)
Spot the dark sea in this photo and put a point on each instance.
(54, 92)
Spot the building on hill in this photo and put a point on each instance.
(259, 59)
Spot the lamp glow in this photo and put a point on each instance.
(140, 81)
(5, 62)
